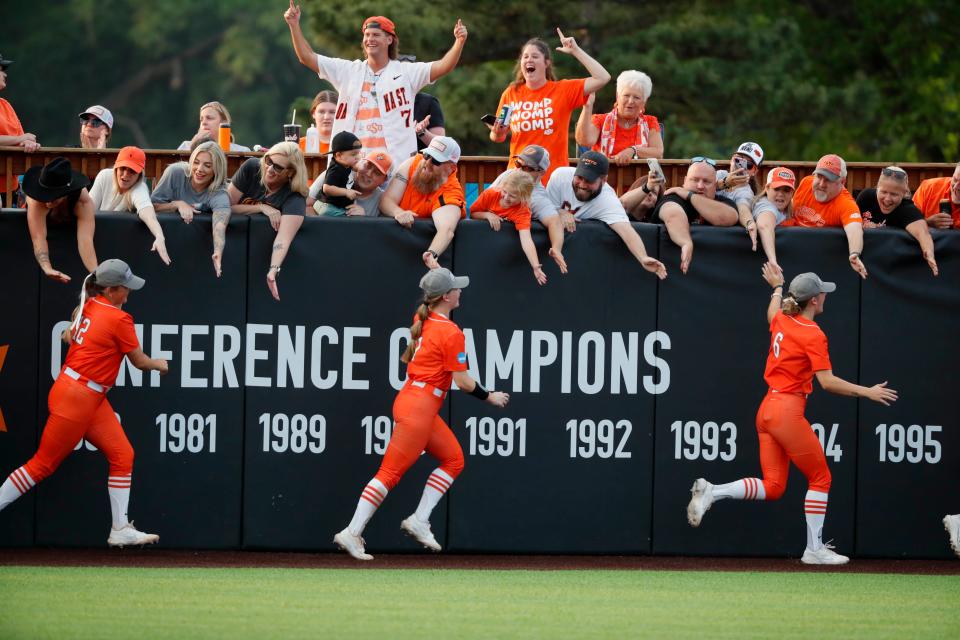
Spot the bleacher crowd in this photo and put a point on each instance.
(390, 155)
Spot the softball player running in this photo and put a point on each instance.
(798, 351)
(100, 336)
(435, 356)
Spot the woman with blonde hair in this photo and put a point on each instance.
(510, 200)
(124, 188)
(625, 133)
(196, 187)
(276, 186)
(212, 115)
(436, 356)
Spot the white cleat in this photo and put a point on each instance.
(352, 544)
(823, 555)
(420, 531)
(700, 502)
(128, 536)
(952, 525)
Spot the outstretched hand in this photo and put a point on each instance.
(292, 15)
(558, 258)
(654, 266)
(880, 393)
(567, 45)
(459, 31)
(773, 274)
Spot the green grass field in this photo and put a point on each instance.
(42, 602)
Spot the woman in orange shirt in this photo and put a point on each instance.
(541, 104)
(798, 352)
(100, 336)
(510, 200)
(435, 355)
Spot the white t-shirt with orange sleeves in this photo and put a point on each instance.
(542, 117)
(377, 107)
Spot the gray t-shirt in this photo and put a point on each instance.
(369, 204)
(741, 195)
(540, 205)
(763, 204)
(174, 184)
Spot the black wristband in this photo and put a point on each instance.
(644, 188)
(479, 392)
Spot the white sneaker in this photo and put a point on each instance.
(700, 502)
(128, 536)
(952, 525)
(352, 544)
(420, 531)
(823, 555)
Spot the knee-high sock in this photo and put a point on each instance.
(119, 489)
(437, 484)
(743, 489)
(815, 509)
(371, 498)
(17, 484)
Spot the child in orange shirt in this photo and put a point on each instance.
(511, 201)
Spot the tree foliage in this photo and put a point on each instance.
(870, 80)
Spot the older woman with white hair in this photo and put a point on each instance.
(625, 133)
(198, 186)
(276, 186)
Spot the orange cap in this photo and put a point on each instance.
(131, 158)
(781, 177)
(382, 161)
(380, 22)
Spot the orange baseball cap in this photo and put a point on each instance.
(380, 22)
(382, 161)
(131, 158)
(832, 167)
(781, 177)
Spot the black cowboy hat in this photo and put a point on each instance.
(53, 180)
(4, 63)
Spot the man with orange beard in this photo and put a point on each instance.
(426, 186)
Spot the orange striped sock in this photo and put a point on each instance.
(437, 485)
(815, 509)
(118, 487)
(371, 498)
(743, 489)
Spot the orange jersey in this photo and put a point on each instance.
(489, 200)
(929, 194)
(441, 350)
(543, 117)
(105, 335)
(9, 126)
(807, 212)
(798, 349)
(423, 205)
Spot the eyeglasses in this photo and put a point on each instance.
(523, 167)
(893, 172)
(279, 168)
(433, 160)
(709, 161)
(96, 123)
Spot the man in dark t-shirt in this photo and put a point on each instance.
(425, 105)
(888, 205)
(696, 202)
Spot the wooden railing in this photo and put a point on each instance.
(473, 169)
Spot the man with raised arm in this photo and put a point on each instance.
(376, 95)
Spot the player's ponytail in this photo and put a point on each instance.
(791, 307)
(90, 290)
(416, 330)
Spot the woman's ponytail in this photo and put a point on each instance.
(416, 330)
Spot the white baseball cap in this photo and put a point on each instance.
(753, 151)
(443, 149)
(99, 111)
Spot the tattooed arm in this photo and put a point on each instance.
(289, 226)
(220, 220)
(37, 223)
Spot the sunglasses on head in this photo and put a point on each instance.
(96, 123)
(890, 172)
(523, 167)
(709, 161)
(279, 168)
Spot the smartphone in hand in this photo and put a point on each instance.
(488, 119)
(655, 169)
